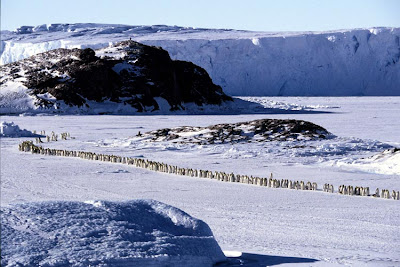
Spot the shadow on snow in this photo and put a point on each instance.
(258, 260)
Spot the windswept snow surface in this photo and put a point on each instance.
(104, 233)
(387, 162)
(336, 63)
(269, 226)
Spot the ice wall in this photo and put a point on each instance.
(341, 63)
(337, 64)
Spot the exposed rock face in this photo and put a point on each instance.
(128, 72)
(252, 131)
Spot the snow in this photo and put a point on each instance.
(260, 225)
(331, 38)
(105, 233)
(273, 104)
(256, 41)
(122, 66)
(9, 129)
(353, 62)
(15, 98)
(388, 162)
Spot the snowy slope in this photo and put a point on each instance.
(348, 62)
(104, 233)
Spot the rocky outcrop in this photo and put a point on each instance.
(127, 72)
(252, 131)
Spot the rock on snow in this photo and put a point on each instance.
(251, 131)
(104, 233)
(128, 75)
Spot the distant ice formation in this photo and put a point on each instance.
(357, 62)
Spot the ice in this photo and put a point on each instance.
(353, 62)
(9, 129)
(104, 233)
(270, 103)
(256, 41)
(331, 38)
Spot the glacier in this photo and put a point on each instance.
(358, 62)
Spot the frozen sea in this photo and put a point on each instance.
(270, 226)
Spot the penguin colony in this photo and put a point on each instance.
(52, 137)
(28, 146)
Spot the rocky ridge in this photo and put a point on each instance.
(252, 131)
(127, 73)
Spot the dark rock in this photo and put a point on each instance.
(87, 55)
(252, 131)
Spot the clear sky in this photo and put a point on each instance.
(257, 15)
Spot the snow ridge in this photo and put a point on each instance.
(337, 63)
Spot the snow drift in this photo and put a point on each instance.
(337, 63)
(133, 233)
(9, 129)
(386, 162)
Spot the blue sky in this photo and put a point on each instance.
(258, 15)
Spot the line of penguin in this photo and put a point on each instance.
(52, 137)
(28, 146)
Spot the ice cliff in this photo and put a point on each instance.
(339, 63)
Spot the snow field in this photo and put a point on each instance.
(320, 226)
(28, 146)
(272, 223)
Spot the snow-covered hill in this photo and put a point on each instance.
(348, 62)
(105, 233)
